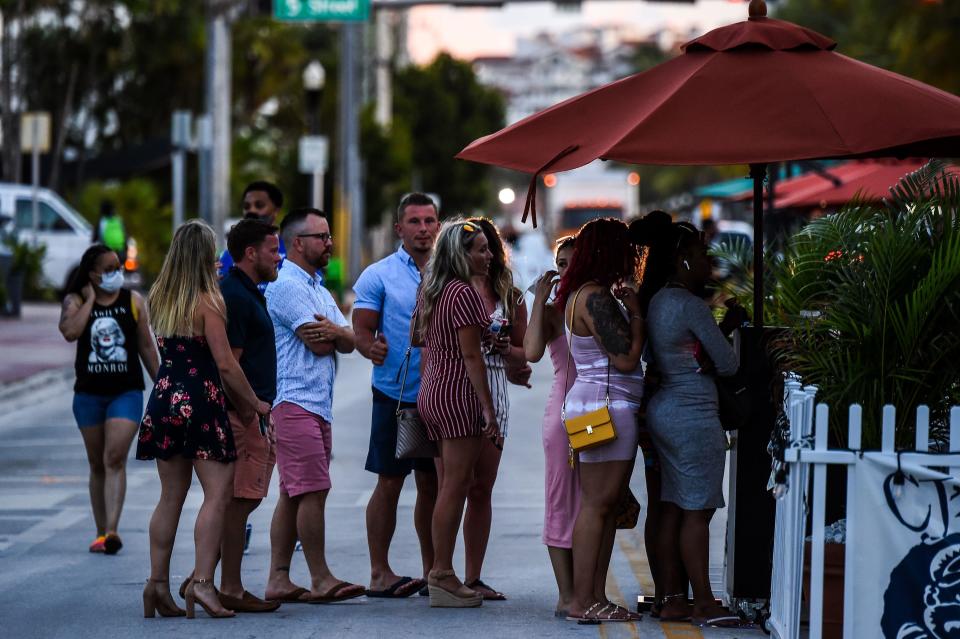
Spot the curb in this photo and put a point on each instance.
(22, 392)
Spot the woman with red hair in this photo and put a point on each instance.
(606, 340)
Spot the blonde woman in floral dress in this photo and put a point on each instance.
(185, 427)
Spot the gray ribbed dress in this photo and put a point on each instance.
(682, 416)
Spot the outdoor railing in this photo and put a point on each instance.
(902, 528)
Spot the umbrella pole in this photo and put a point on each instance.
(757, 173)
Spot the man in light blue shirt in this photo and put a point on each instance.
(308, 327)
(386, 295)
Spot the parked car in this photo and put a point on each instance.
(732, 235)
(64, 232)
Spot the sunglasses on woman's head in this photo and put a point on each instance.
(469, 228)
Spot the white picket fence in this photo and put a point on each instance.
(792, 507)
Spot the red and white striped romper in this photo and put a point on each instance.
(447, 402)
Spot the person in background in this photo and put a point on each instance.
(110, 230)
(254, 246)
(309, 327)
(185, 427)
(261, 200)
(562, 485)
(683, 417)
(507, 315)
(710, 230)
(111, 326)
(606, 340)
(386, 296)
(454, 400)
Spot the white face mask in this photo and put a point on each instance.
(111, 282)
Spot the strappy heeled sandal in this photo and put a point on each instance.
(191, 599)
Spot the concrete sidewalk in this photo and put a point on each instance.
(31, 344)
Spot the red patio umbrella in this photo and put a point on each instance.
(754, 92)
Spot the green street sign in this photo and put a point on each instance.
(322, 10)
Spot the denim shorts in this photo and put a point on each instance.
(93, 410)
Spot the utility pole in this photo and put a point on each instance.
(180, 140)
(204, 140)
(218, 100)
(382, 61)
(349, 206)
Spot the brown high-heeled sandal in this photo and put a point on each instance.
(191, 599)
(154, 602)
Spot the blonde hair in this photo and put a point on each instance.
(188, 275)
(448, 262)
(500, 276)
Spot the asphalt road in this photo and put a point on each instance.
(50, 586)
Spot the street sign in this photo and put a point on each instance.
(35, 132)
(313, 154)
(322, 10)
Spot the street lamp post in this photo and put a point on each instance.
(314, 79)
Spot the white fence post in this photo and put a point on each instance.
(923, 429)
(854, 440)
(819, 514)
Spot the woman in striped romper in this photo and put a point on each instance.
(454, 399)
(503, 353)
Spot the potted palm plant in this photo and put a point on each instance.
(871, 296)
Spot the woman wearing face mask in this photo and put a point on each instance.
(112, 329)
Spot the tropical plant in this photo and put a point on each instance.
(27, 262)
(872, 297)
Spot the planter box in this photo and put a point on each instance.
(833, 569)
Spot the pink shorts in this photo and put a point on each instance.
(256, 458)
(304, 441)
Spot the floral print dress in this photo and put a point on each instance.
(186, 413)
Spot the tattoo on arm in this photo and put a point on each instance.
(612, 329)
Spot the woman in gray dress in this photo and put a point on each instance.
(684, 343)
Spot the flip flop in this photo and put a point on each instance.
(726, 621)
(334, 594)
(294, 596)
(393, 592)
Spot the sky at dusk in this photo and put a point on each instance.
(467, 33)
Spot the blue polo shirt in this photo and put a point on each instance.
(249, 327)
(389, 287)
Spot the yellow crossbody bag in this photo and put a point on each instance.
(593, 428)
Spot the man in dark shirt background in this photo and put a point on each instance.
(260, 200)
(254, 247)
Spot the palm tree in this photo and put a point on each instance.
(872, 297)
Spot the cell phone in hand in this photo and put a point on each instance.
(264, 424)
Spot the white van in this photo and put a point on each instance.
(64, 232)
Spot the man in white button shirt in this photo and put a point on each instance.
(309, 327)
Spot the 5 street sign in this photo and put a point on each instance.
(322, 10)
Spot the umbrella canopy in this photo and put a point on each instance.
(754, 92)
